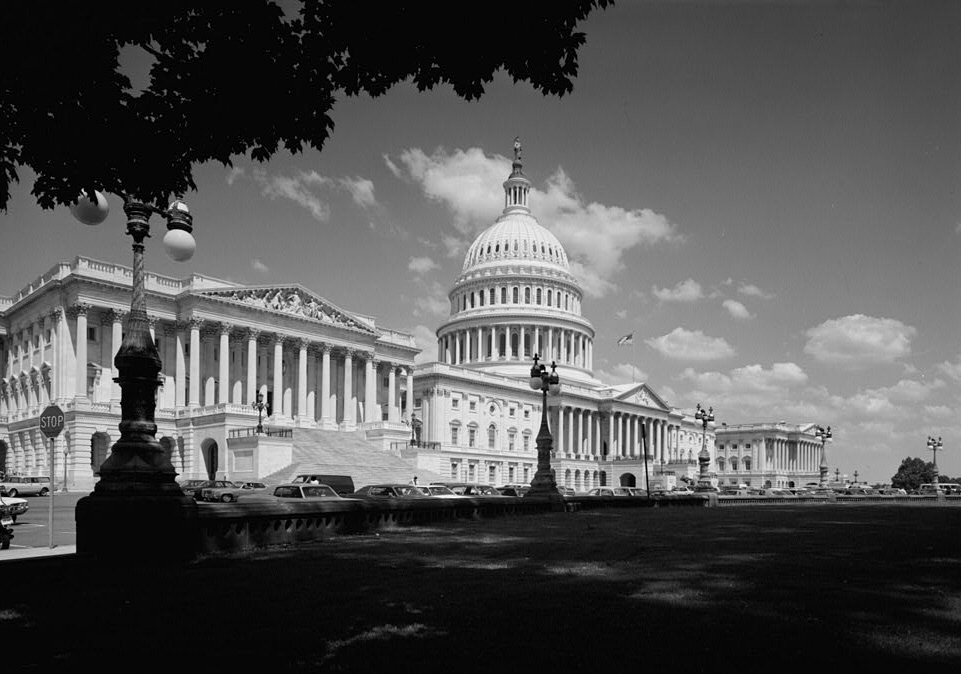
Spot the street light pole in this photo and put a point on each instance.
(935, 446)
(704, 457)
(543, 484)
(137, 510)
(824, 435)
(259, 406)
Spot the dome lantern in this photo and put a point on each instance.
(517, 187)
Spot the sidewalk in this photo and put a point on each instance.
(14, 553)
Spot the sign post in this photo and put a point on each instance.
(51, 423)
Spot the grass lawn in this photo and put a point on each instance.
(685, 589)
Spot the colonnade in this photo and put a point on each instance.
(516, 342)
(581, 433)
(792, 455)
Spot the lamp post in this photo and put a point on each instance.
(546, 382)
(704, 457)
(137, 509)
(837, 474)
(935, 446)
(259, 406)
(855, 477)
(824, 435)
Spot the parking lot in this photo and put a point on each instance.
(698, 589)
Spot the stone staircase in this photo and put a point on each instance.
(347, 453)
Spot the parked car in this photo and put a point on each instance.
(229, 494)
(470, 488)
(25, 485)
(342, 484)
(601, 491)
(13, 507)
(439, 490)
(390, 490)
(307, 491)
(195, 488)
(682, 490)
(513, 490)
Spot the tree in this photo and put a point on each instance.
(912, 473)
(231, 78)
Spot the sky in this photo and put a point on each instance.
(767, 196)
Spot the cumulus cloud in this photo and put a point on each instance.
(361, 191)
(859, 341)
(753, 389)
(234, 173)
(392, 166)
(426, 340)
(682, 344)
(259, 266)
(622, 373)
(622, 314)
(752, 290)
(421, 265)
(596, 236)
(736, 309)
(953, 370)
(685, 291)
(432, 300)
(302, 188)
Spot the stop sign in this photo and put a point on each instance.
(51, 421)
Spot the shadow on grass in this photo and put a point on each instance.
(699, 589)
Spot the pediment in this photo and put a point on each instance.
(294, 301)
(643, 395)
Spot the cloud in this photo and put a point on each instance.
(302, 187)
(681, 344)
(596, 237)
(736, 309)
(622, 373)
(297, 189)
(953, 370)
(859, 341)
(421, 265)
(891, 401)
(392, 166)
(426, 340)
(432, 301)
(752, 387)
(361, 190)
(622, 314)
(685, 291)
(259, 266)
(234, 173)
(753, 291)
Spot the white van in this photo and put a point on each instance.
(25, 485)
(931, 489)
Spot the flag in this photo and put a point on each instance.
(626, 339)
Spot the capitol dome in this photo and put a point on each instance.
(516, 296)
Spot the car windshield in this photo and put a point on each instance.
(406, 490)
(318, 490)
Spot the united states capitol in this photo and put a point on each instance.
(342, 394)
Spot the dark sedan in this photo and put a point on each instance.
(390, 491)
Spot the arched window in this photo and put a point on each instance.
(548, 297)
(493, 296)
(566, 297)
(557, 297)
(473, 299)
(503, 295)
(492, 437)
(538, 296)
(514, 294)
(480, 296)
(527, 295)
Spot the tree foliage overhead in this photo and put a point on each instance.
(228, 78)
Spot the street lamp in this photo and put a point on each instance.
(546, 382)
(259, 406)
(137, 509)
(704, 457)
(934, 446)
(824, 435)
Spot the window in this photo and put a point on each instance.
(471, 468)
(538, 296)
(492, 437)
(92, 334)
(47, 336)
(493, 296)
(527, 295)
(454, 470)
(510, 440)
(527, 442)
(527, 414)
(473, 405)
(386, 382)
(720, 446)
(492, 473)
(510, 474)
(548, 297)
(511, 411)
(471, 437)
(453, 435)
(514, 295)
(455, 403)
(747, 463)
(747, 446)
(503, 295)
(527, 473)
(216, 354)
(733, 463)
(720, 463)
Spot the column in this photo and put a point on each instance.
(457, 360)
(468, 356)
(610, 436)
(508, 349)
(559, 433)
(81, 313)
(252, 335)
(480, 345)
(278, 377)
(391, 393)
(410, 389)
(325, 383)
(116, 338)
(350, 414)
(520, 344)
(495, 347)
(370, 390)
(302, 412)
(571, 448)
(180, 367)
(550, 345)
(223, 355)
(194, 397)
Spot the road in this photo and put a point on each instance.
(32, 529)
